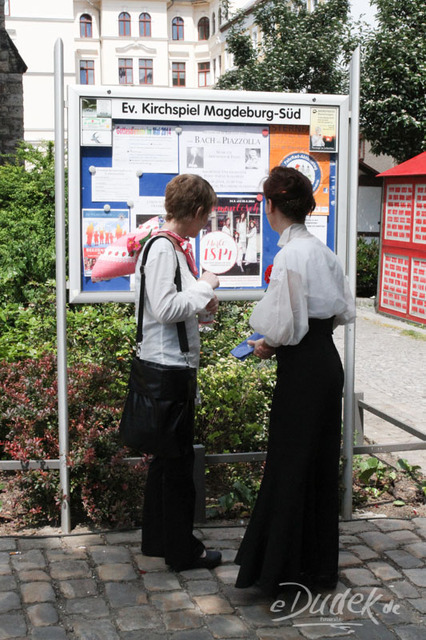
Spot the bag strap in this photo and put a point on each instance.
(181, 329)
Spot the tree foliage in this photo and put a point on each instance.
(27, 220)
(394, 80)
(299, 52)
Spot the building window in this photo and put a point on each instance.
(124, 24)
(145, 71)
(204, 29)
(204, 74)
(85, 26)
(178, 74)
(6, 8)
(145, 25)
(87, 72)
(213, 23)
(177, 29)
(219, 16)
(125, 70)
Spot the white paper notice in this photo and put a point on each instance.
(152, 149)
(233, 159)
(114, 185)
(317, 225)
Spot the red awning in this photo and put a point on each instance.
(414, 167)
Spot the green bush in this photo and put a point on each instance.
(367, 268)
(104, 489)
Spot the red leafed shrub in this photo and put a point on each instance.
(103, 488)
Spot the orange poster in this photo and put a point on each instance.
(289, 147)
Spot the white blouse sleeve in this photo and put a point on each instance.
(282, 314)
(167, 304)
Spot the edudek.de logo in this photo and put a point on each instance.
(328, 610)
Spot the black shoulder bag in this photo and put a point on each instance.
(158, 415)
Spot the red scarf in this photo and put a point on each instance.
(186, 246)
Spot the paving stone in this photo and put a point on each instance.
(12, 625)
(403, 589)
(201, 587)
(121, 594)
(9, 600)
(360, 577)
(196, 574)
(353, 527)
(28, 560)
(87, 607)
(404, 536)
(227, 573)
(410, 632)
(68, 569)
(42, 615)
(223, 533)
(161, 581)
(58, 555)
(147, 563)
(7, 583)
(363, 552)
(417, 576)
(116, 572)
(258, 615)
(37, 592)
(180, 620)
(25, 544)
(227, 627)
(83, 541)
(172, 601)
(49, 633)
(404, 559)
(191, 634)
(399, 614)
(5, 570)
(378, 541)
(348, 559)
(213, 604)
(323, 631)
(78, 588)
(371, 631)
(7, 544)
(346, 540)
(281, 633)
(143, 617)
(36, 575)
(419, 604)
(417, 549)
(110, 555)
(251, 595)
(86, 630)
(392, 524)
(228, 555)
(124, 537)
(6, 556)
(384, 571)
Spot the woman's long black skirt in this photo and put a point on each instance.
(292, 535)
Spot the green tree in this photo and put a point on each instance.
(299, 52)
(27, 220)
(393, 112)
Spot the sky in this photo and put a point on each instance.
(362, 6)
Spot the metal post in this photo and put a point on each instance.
(349, 406)
(61, 320)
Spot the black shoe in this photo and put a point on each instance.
(211, 560)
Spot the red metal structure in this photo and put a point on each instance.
(402, 289)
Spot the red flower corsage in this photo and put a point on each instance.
(267, 275)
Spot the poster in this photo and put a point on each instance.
(149, 148)
(99, 230)
(114, 185)
(230, 245)
(96, 123)
(233, 158)
(323, 129)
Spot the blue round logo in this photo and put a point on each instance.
(307, 165)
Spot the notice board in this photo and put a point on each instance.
(125, 144)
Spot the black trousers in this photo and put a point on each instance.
(168, 511)
(292, 535)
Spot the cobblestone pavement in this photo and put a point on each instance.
(390, 370)
(100, 587)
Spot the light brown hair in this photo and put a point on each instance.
(185, 194)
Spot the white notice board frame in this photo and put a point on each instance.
(183, 108)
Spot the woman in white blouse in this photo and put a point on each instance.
(169, 499)
(293, 532)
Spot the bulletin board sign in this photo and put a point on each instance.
(126, 144)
